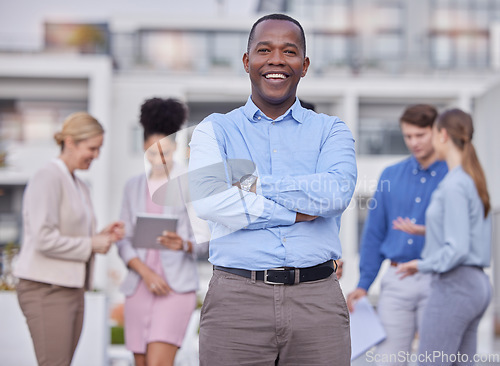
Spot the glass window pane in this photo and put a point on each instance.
(388, 46)
(463, 57)
(389, 18)
(441, 51)
(224, 52)
(170, 50)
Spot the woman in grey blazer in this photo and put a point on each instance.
(161, 284)
(59, 241)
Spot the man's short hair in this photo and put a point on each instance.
(421, 115)
(277, 17)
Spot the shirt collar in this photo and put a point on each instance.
(63, 167)
(416, 165)
(252, 112)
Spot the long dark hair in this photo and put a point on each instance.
(459, 126)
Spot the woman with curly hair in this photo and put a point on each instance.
(161, 284)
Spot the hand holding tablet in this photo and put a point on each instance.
(149, 227)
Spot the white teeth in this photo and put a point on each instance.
(275, 76)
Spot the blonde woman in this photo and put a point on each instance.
(457, 247)
(59, 241)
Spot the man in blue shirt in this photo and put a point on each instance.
(273, 178)
(403, 194)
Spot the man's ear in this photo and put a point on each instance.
(245, 61)
(305, 66)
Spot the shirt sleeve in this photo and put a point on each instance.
(213, 196)
(42, 208)
(374, 234)
(125, 248)
(456, 228)
(328, 192)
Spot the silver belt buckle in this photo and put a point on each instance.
(270, 282)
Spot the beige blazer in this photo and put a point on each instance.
(58, 222)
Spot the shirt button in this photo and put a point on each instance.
(259, 117)
(415, 171)
(284, 240)
(413, 220)
(418, 199)
(410, 241)
(275, 150)
(423, 180)
(433, 173)
(273, 123)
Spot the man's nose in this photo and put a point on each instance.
(276, 58)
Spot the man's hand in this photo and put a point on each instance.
(353, 297)
(303, 217)
(408, 226)
(340, 265)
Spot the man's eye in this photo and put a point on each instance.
(262, 50)
(290, 52)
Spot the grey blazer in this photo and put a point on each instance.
(180, 267)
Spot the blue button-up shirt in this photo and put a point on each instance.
(403, 190)
(304, 162)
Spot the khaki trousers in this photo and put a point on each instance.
(245, 322)
(54, 315)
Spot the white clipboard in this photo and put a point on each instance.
(149, 227)
(366, 328)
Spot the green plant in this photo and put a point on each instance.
(117, 335)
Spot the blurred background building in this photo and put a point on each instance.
(369, 60)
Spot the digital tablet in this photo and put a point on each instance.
(148, 227)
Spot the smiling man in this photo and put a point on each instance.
(273, 179)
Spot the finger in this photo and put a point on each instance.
(349, 305)
(153, 288)
(163, 290)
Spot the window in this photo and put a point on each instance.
(172, 50)
(226, 49)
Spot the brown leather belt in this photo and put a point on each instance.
(286, 275)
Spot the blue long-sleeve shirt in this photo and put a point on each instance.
(404, 190)
(456, 232)
(304, 161)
